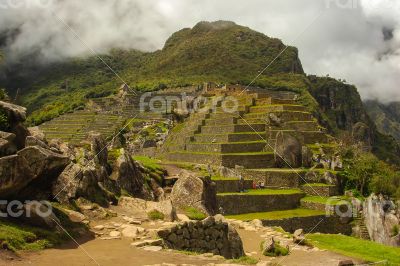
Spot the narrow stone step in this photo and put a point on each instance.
(232, 128)
(284, 115)
(262, 200)
(277, 108)
(220, 121)
(297, 126)
(276, 178)
(230, 160)
(319, 189)
(237, 137)
(225, 185)
(249, 160)
(237, 147)
(305, 137)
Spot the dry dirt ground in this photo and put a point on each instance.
(96, 251)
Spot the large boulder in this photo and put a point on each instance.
(15, 174)
(381, 219)
(140, 207)
(82, 181)
(193, 191)
(15, 113)
(40, 214)
(98, 148)
(43, 162)
(16, 116)
(29, 164)
(7, 144)
(127, 174)
(288, 151)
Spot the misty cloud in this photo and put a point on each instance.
(360, 44)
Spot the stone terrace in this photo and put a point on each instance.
(244, 138)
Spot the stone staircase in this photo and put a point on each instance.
(245, 138)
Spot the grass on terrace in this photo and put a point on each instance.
(357, 248)
(317, 185)
(265, 192)
(276, 215)
(325, 200)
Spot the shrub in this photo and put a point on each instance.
(395, 230)
(245, 260)
(155, 215)
(4, 124)
(276, 252)
(194, 214)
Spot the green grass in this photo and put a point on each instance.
(276, 215)
(325, 200)
(153, 167)
(265, 192)
(194, 214)
(16, 236)
(155, 215)
(246, 260)
(356, 248)
(148, 162)
(278, 250)
(318, 185)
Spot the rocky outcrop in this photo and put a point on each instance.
(81, 181)
(382, 217)
(7, 143)
(362, 133)
(142, 207)
(288, 150)
(28, 165)
(16, 116)
(88, 176)
(193, 191)
(127, 174)
(40, 214)
(210, 235)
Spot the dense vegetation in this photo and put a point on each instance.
(222, 52)
(366, 174)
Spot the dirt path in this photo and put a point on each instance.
(120, 252)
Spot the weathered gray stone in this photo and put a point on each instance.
(74, 216)
(346, 263)
(381, 216)
(143, 207)
(32, 141)
(39, 214)
(193, 191)
(115, 234)
(37, 133)
(127, 174)
(287, 151)
(15, 112)
(31, 163)
(43, 162)
(298, 237)
(7, 144)
(204, 236)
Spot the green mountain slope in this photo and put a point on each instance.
(220, 51)
(385, 116)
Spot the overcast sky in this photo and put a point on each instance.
(356, 40)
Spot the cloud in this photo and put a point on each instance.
(359, 42)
